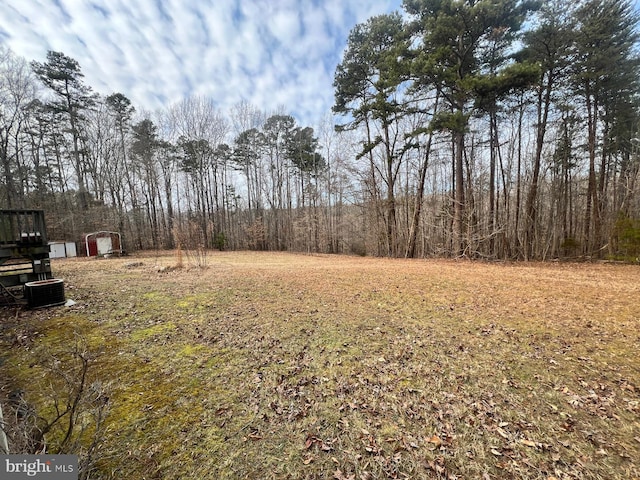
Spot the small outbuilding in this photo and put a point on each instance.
(99, 244)
(62, 249)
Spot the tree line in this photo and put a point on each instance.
(499, 129)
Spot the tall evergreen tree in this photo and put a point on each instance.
(122, 110)
(454, 35)
(275, 139)
(145, 143)
(245, 156)
(368, 88)
(302, 151)
(606, 72)
(63, 76)
(549, 46)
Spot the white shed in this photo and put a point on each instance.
(62, 249)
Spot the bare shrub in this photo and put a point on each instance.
(69, 419)
(179, 259)
(257, 235)
(191, 237)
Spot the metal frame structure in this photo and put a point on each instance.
(24, 249)
(91, 246)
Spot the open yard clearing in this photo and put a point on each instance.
(274, 365)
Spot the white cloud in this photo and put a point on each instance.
(270, 52)
(285, 26)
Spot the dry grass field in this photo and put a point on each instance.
(283, 366)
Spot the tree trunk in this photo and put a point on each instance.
(459, 199)
(544, 104)
(591, 210)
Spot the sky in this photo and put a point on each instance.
(271, 53)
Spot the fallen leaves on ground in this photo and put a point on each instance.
(273, 365)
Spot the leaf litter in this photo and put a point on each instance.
(292, 366)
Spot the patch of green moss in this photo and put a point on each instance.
(194, 350)
(156, 329)
(153, 296)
